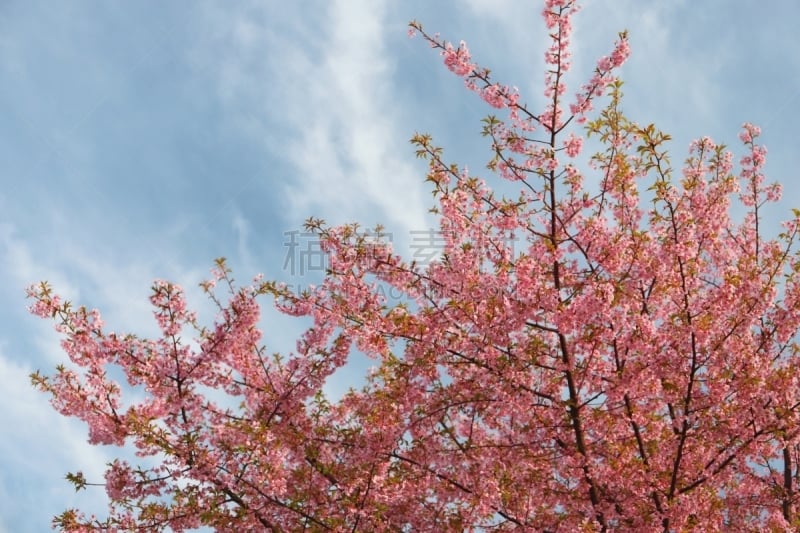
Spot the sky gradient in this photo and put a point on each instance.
(141, 140)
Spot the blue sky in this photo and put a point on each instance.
(141, 140)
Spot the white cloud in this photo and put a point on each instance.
(17, 260)
(40, 446)
(349, 120)
(324, 103)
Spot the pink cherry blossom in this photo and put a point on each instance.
(573, 145)
(609, 345)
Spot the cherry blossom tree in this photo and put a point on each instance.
(630, 364)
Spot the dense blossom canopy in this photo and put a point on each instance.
(629, 364)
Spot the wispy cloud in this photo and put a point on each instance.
(32, 486)
(325, 105)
